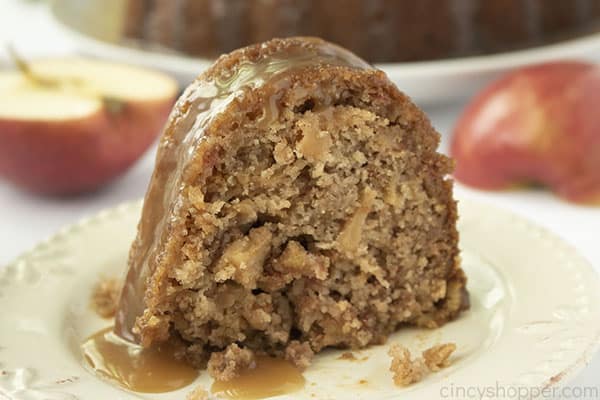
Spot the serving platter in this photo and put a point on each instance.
(95, 29)
(534, 319)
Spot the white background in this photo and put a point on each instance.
(26, 219)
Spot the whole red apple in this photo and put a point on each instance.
(72, 125)
(536, 125)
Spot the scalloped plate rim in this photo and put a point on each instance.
(566, 373)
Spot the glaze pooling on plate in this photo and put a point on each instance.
(153, 370)
(45, 315)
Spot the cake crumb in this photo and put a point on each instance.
(229, 363)
(315, 143)
(297, 261)
(351, 234)
(299, 353)
(197, 394)
(283, 154)
(436, 357)
(242, 260)
(406, 370)
(347, 356)
(105, 297)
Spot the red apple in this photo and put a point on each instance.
(536, 125)
(72, 125)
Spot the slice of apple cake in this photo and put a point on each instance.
(298, 202)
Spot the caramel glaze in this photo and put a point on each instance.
(201, 103)
(157, 370)
(153, 370)
(270, 377)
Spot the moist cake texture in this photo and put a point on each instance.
(298, 202)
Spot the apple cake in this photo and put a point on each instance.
(297, 203)
(377, 30)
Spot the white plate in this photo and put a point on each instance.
(427, 82)
(534, 320)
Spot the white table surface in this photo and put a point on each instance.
(26, 219)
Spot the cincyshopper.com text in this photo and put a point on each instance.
(501, 391)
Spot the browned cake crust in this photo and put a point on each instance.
(504, 24)
(298, 202)
(377, 30)
(557, 16)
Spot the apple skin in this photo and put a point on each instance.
(537, 125)
(72, 156)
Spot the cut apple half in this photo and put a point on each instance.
(104, 78)
(22, 99)
(71, 125)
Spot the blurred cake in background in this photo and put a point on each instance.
(378, 30)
